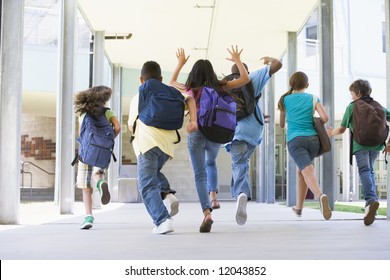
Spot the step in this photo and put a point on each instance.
(43, 194)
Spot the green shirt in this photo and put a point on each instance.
(348, 123)
(109, 114)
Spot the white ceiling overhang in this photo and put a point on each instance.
(204, 28)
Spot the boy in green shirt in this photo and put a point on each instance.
(365, 155)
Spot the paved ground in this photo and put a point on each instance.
(124, 232)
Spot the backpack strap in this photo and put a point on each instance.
(350, 147)
(178, 137)
(255, 112)
(113, 156)
(315, 98)
(134, 126)
(76, 158)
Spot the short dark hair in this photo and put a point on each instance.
(235, 69)
(361, 87)
(151, 70)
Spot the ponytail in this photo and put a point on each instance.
(281, 100)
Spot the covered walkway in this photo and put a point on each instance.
(124, 232)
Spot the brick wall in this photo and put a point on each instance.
(38, 147)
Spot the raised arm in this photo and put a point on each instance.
(274, 63)
(244, 77)
(181, 60)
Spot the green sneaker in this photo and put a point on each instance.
(102, 187)
(88, 223)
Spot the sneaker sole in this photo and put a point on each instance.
(86, 226)
(206, 226)
(105, 193)
(174, 208)
(370, 217)
(163, 232)
(325, 209)
(296, 212)
(241, 215)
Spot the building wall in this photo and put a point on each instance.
(358, 54)
(38, 147)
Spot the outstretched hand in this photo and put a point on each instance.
(235, 54)
(329, 130)
(267, 59)
(181, 56)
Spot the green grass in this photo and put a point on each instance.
(345, 208)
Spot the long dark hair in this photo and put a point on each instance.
(202, 75)
(298, 80)
(92, 100)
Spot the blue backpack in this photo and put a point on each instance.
(160, 105)
(96, 141)
(217, 115)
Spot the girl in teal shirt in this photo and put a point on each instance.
(303, 144)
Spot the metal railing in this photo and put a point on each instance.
(22, 171)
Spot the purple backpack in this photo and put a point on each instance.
(217, 115)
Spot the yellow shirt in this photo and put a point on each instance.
(147, 137)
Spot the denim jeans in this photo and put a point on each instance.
(203, 155)
(365, 162)
(240, 152)
(303, 149)
(151, 183)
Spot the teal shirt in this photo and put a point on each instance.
(299, 115)
(348, 123)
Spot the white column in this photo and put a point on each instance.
(328, 171)
(98, 79)
(270, 169)
(98, 58)
(291, 166)
(11, 54)
(65, 136)
(261, 162)
(116, 105)
(387, 15)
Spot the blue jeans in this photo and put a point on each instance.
(303, 149)
(365, 162)
(240, 152)
(151, 183)
(203, 155)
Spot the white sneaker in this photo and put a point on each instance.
(370, 212)
(164, 227)
(241, 215)
(172, 204)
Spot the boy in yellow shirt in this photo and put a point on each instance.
(153, 147)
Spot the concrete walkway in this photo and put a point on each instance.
(124, 232)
